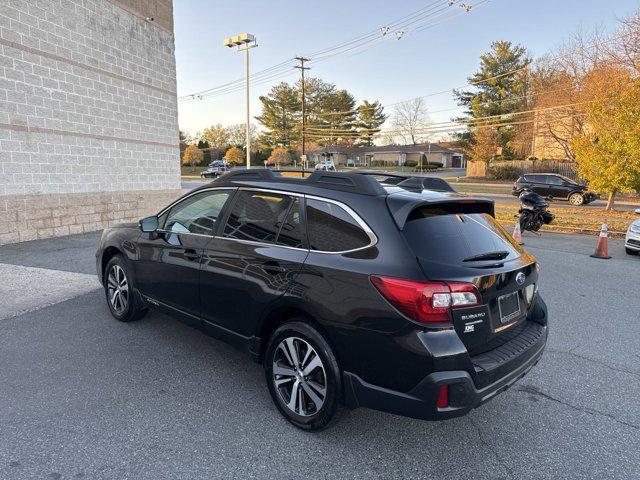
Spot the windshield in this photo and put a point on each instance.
(459, 238)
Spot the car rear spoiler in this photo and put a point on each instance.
(402, 210)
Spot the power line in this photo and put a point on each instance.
(280, 69)
(474, 83)
(319, 132)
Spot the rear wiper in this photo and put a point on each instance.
(499, 255)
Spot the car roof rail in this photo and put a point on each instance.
(342, 181)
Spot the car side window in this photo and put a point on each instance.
(259, 217)
(196, 214)
(332, 229)
(291, 234)
(551, 180)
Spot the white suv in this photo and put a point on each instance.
(632, 239)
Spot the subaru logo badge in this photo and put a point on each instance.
(520, 278)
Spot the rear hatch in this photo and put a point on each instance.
(460, 241)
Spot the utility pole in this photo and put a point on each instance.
(302, 68)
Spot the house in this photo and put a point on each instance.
(389, 155)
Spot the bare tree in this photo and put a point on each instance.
(626, 50)
(237, 134)
(408, 118)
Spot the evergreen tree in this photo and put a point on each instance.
(371, 116)
(281, 116)
(499, 86)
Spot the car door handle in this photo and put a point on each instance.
(191, 255)
(273, 268)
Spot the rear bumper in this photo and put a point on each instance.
(466, 391)
(420, 402)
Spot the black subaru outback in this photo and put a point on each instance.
(349, 293)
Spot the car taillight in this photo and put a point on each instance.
(426, 302)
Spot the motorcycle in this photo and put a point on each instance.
(533, 211)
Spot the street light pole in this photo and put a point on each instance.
(246, 69)
(244, 42)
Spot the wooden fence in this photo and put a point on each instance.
(568, 169)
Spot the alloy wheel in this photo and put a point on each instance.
(576, 199)
(118, 289)
(299, 376)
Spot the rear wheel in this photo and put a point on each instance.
(119, 290)
(576, 199)
(303, 376)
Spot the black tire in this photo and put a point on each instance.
(631, 251)
(576, 199)
(131, 308)
(313, 418)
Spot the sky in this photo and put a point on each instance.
(436, 53)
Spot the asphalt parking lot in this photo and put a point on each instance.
(84, 396)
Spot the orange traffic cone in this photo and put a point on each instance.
(517, 233)
(602, 250)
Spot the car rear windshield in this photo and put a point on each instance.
(458, 238)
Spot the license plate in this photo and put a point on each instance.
(509, 306)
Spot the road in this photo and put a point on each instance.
(449, 172)
(498, 195)
(84, 396)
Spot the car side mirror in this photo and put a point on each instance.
(149, 224)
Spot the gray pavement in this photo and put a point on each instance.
(84, 396)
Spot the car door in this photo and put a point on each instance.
(539, 184)
(253, 261)
(168, 269)
(555, 186)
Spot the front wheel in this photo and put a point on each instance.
(631, 251)
(576, 199)
(303, 376)
(118, 288)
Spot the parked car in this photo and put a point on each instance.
(216, 168)
(325, 165)
(412, 182)
(632, 239)
(556, 186)
(349, 293)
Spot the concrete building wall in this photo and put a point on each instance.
(88, 114)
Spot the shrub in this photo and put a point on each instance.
(192, 156)
(279, 156)
(505, 172)
(410, 163)
(235, 156)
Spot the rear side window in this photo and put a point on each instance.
(264, 217)
(551, 180)
(332, 229)
(456, 239)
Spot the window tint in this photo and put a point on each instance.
(259, 216)
(551, 180)
(196, 214)
(534, 178)
(450, 239)
(332, 229)
(290, 234)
